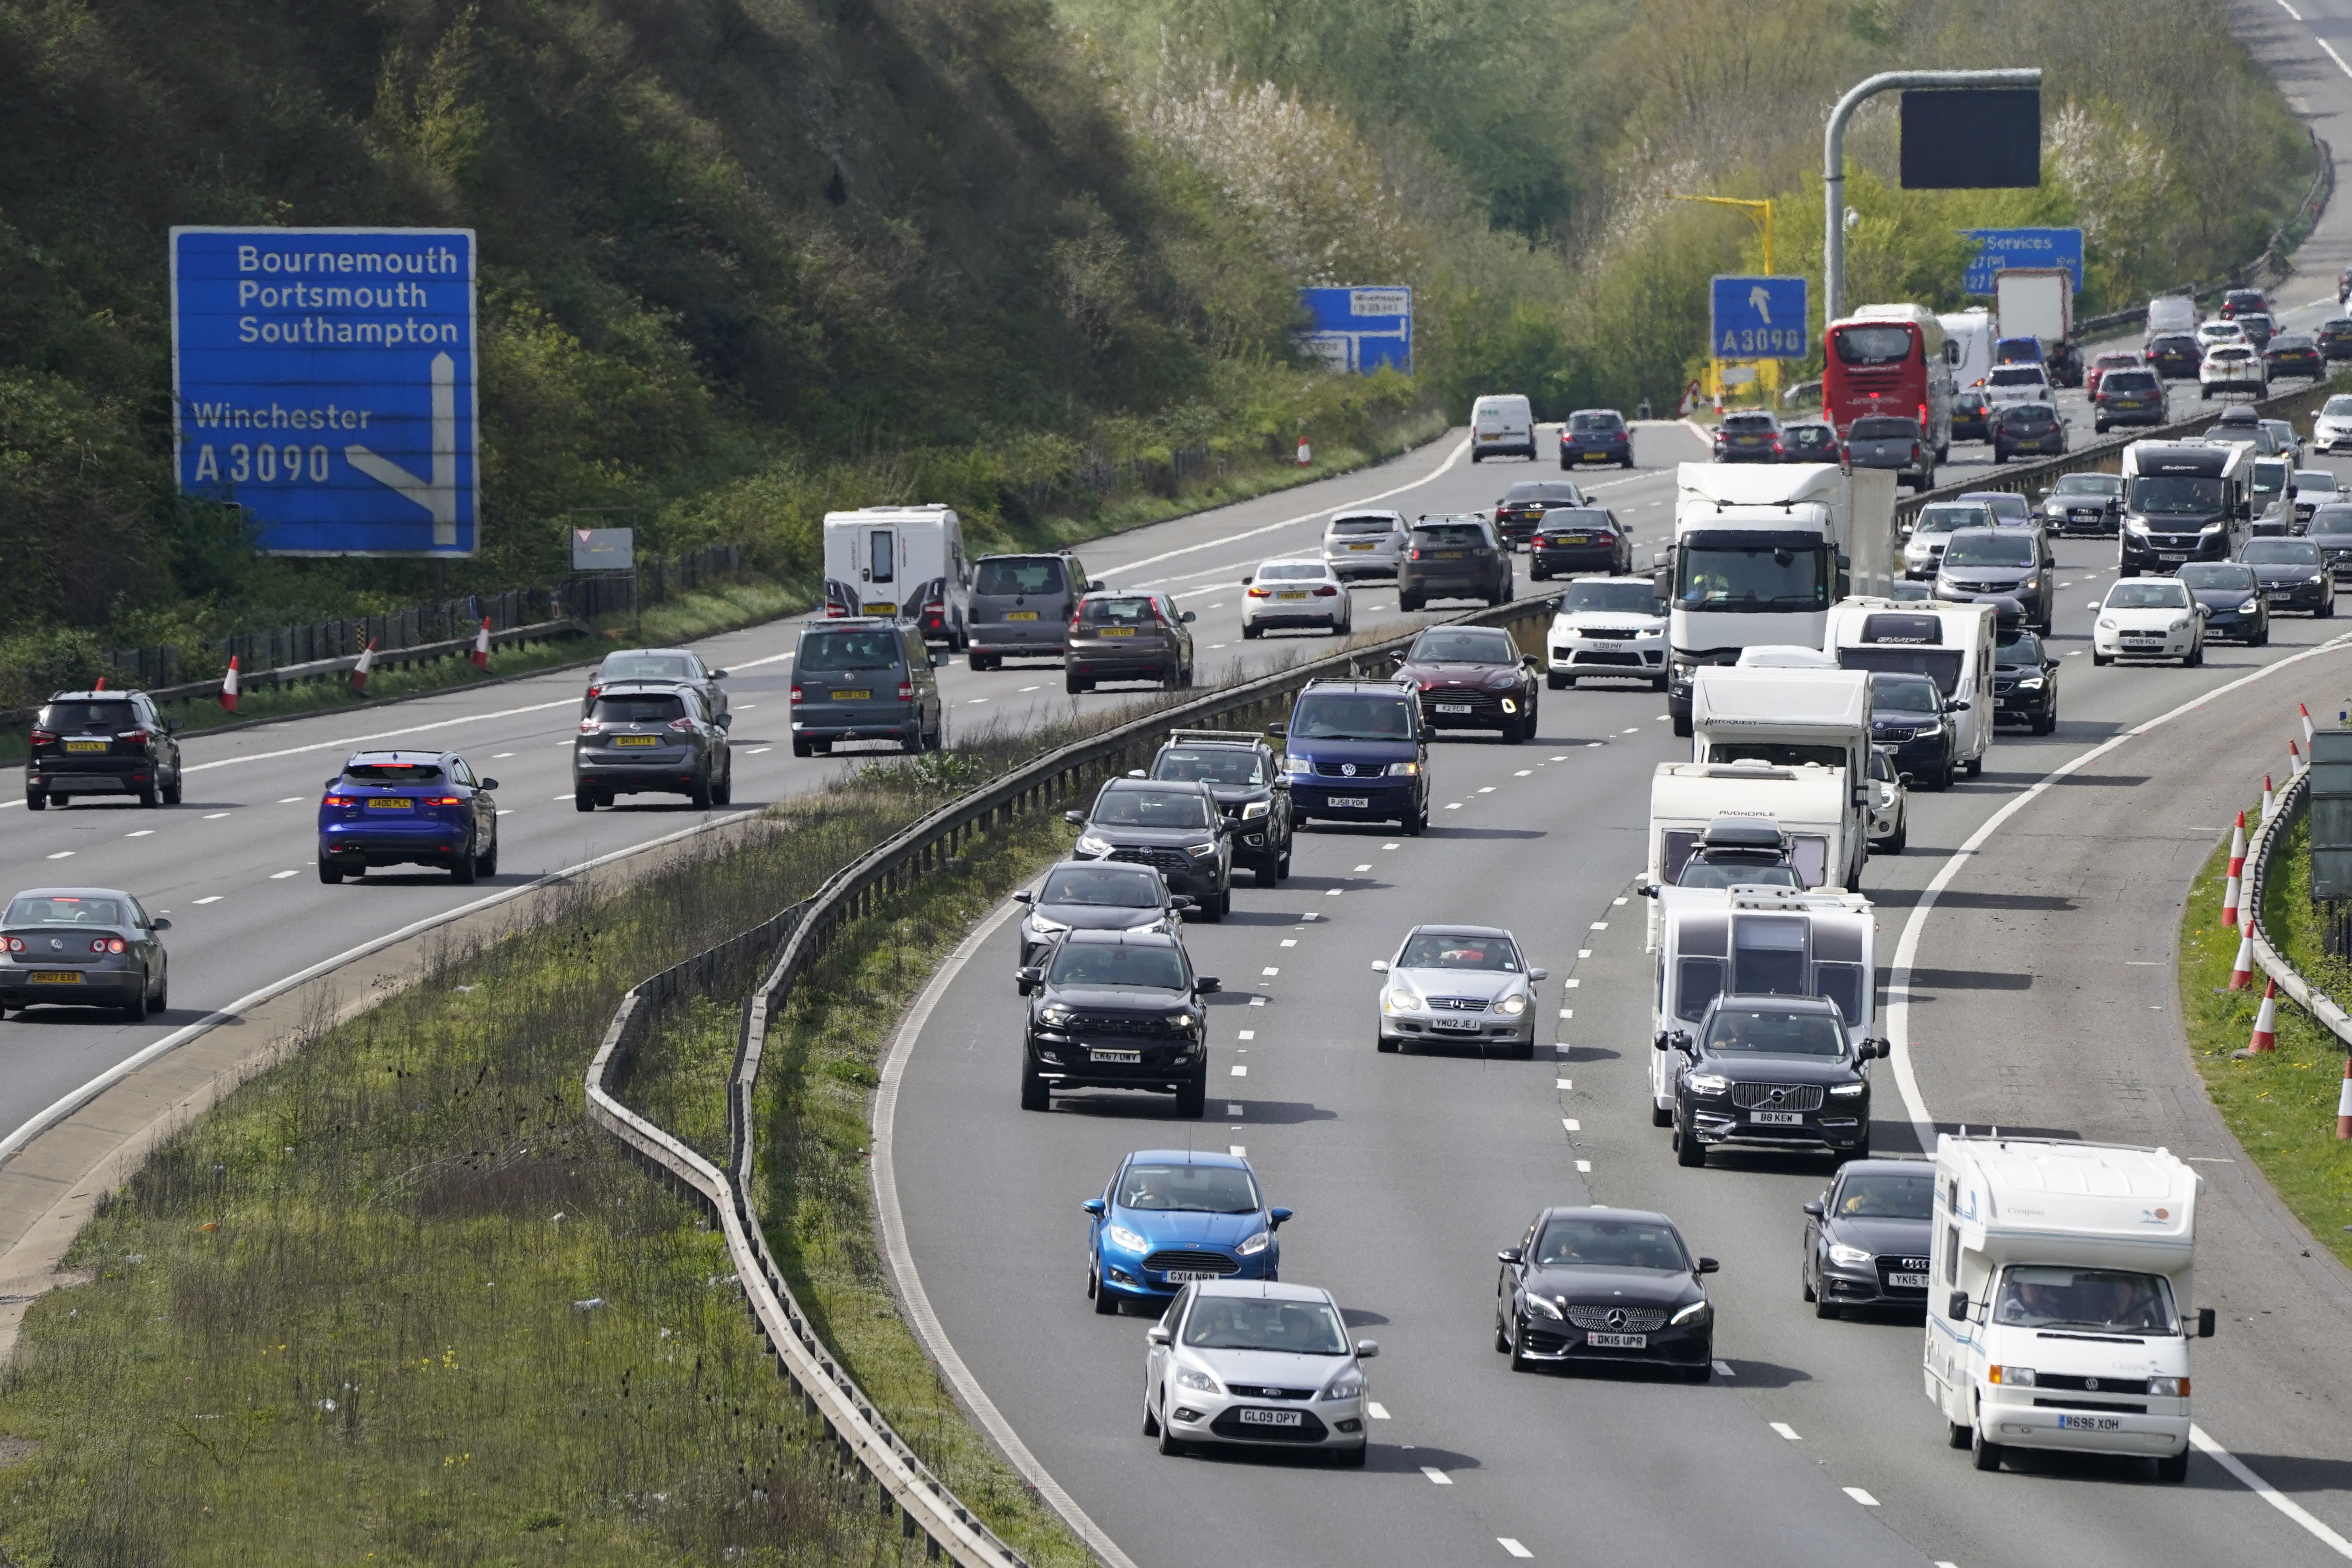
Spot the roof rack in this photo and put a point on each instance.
(1227, 736)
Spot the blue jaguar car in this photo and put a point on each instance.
(1171, 1216)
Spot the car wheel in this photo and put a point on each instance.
(2193, 658)
(1988, 1456)
(1034, 1094)
(1269, 875)
(1976, 767)
(488, 865)
(2263, 637)
(1688, 1151)
(1192, 1099)
(1535, 571)
(37, 801)
(1657, 683)
(2099, 658)
(2327, 610)
(1353, 1459)
(723, 792)
(1107, 1306)
(1528, 729)
(1282, 867)
(800, 747)
(1956, 1434)
(171, 790)
(1386, 1043)
(1212, 910)
(461, 870)
(1519, 1362)
(1408, 602)
(135, 1010)
(1661, 1116)
(149, 798)
(162, 1000)
(1417, 822)
(2173, 1467)
(1170, 1444)
(1557, 681)
(1073, 685)
(583, 801)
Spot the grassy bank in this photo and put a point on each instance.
(2280, 1107)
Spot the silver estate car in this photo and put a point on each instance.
(83, 947)
(1255, 1363)
(1364, 544)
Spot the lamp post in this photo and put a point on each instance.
(1760, 212)
(1833, 159)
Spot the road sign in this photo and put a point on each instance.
(604, 550)
(1359, 329)
(324, 383)
(1759, 318)
(1998, 248)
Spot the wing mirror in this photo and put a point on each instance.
(1182, 901)
(1137, 773)
(1275, 1216)
(1279, 731)
(718, 675)
(1248, 578)
(1159, 1333)
(2095, 605)
(1028, 979)
(1190, 618)
(2204, 1322)
(1207, 985)
(1511, 1255)
(1957, 1307)
(1710, 1266)
(1379, 965)
(489, 783)
(1879, 1049)
(1367, 1348)
(1818, 1209)
(1096, 1207)
(1023, 896)
(1680, 1041)
(163, 923)
(1537, 973)
(1526, 661)
(1076, 819)
(1648, 889)
(1958, 705)
(332, 783)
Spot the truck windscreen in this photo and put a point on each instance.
(1751, 580)
(1940, 664)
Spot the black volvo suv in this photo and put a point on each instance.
(1774, 1073)
(1116, 1009)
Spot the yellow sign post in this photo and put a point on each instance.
(1768, 372)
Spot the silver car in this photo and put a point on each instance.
(1467, 983)
(1932, 529)
(1259, 1364)
(86, 947)
(1364, 544)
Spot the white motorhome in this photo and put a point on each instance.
(1756, 941)
(1760, 553)
(1784, 717)
(1971, 334)
(2060, 1299)
(2171, 313)
(902, 563)
(1502, 422)
(1951, 643)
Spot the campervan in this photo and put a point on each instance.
(901, 563)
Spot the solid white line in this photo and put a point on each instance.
(2334, 55)
(1437, 1476)
(2290, 10)
(1787, 1431)
(2267, 1492)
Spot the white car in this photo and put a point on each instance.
(2230, 368)
(1364, 544)
(1613, 626)
(2018, 384)
(1296, 592)
(2148, 618)
(1890, 805)
(1932, 529)
(2332, 431)
(1255, 1363)
(2314, 487)
(2218, 331)
(1458, 983)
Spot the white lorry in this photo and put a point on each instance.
(1951, 643)
(2060, 1299)
(1760, 553)
(2038, 302)
(902, 563)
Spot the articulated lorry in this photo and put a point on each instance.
(1760, 553)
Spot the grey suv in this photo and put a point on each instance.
(864, 679)
(651, 739)
(1021, 606)
(1453, 558)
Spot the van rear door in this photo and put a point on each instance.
(881, 566)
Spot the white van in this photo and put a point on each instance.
(2171, 313)
(901, 563)
(1967, 336)
(2060, 1299)
(1951, 644)
(1502, 422)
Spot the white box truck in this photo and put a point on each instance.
(1760, 553)
(1951, 644)
(2038, 302)
(902, 563)
(2061, 1298)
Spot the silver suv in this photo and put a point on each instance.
(1364, 544)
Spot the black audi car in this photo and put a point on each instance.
(1774, 1073)
(1176, 827)
(2237, 605)
(1605, 1285)
(1116, 1009)
(2175, 356)
(1095, 896)
(1906, 718)
(1866, 1238)
(2084, 504)
(1239, 767)
(2024, 681)
(2296, 572)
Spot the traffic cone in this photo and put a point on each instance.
(2308, 727)
(2236, 884)
(1305, 453)
(360, 671)
(2270, 798)
(2265, 1024)
(482, 645)
(101, 684)
(2242, 973)
(228, 685)
(2343, 1104)
(2294, 760)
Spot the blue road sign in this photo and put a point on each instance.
(1359, 329)
(1998, 248)
(324, 381)
(1759, 318)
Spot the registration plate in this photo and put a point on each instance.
(1359, 802)
(1270, 1418)
(56, 976)
(1189, 1276)
(1593, 457)
(1448, 555)
(1468, 1026)
(1116, 632)
(1298, 595)
(634, 739)
(1364, 547)
(1572, 539)
(1099, 1055)
(1020, 615)
(86, 745)
(1600, 1340)
(1453, 707)
(390, 803)
(1777, 1118)
(861, 695)
(2092, 1423)
(881, 610)
(2168, 556)
(1906, 1282)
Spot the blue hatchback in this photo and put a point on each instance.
(408, 807)
(1171, 1216)
(1354, 751)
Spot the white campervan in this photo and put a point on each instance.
(1951, 644)
(1502, 422)
(1811, 807)
(902, 563)
(2061, 1298)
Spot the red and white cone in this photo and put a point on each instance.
(228, 685)
(101, 684)
(2265, 1024)
(2242, 973)
(1305, 453)
(360, 671)
(2232, 890)
(2270, 798)
(482, 645)
(2295, 764)
(2343, 1104)
(2308, 727)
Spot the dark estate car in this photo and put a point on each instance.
(1816, 441)
(1748, 438)
(2294, 354)
(1972, 414)
(1523, 506)
(2175, 356)
(1453, 558)
(1473, 677)
(1129, 637)
(2330, 528)
(1095, 896)
(2021, 428)
(1906, 718)
(101, 743)
(656, 740)
(1355, 751)
(1981, 564)
(84, 947)
(2236, 605)
(1173, 827)
(1774, 1071)
(1609, 1285)
(658, 667)
(863, 680)
(2293, 572)
(2024, 681)
(1116, 1009)
(1595, 435)
(2334, 337)
(2084, 504)
(1890, 441)
(412, 808)
(1866, 1238)
(2238, 302)
(1021, 606)
(2131, 396)
(1580, 538)
(1241, 772)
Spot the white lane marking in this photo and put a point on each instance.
(759, 751)
(282, 875)
(2290, 10)
(212, 816)
(1237, 1151)
(1571, 1122)
(2267, 1492)
(1860, 1496)
(505, 810)
(1560, 759)
(1389, 846)
(382, 735)
(1249, 1034)
(62, 855)
(213, 898)
(501, 756)
(1376, 1410)
(1563, 1084)
(1290, 941)
(564, 796)
(1787, 1431)
(1240, 1070)
(1616, 901)
(140, 834)
(1584, 1167)
(1524, 773)
(1601, 926)
(1593, 745)
(1269, 971)
(1455, 806)
(1366, 866)
(975, 702)
(1585, 952)
(1568, 1012)
(1571, 983)
(2334, 55)
(292, 799)
(1485, 788)
(1437, 1476)
(1258, 1001)
(1513, 1547)
(1032, 688)
(1635, 730)
(1723, 1369)
(1232, 1109)
(742, 708)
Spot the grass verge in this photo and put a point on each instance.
(2281, 1107)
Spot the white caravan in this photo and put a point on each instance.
(1951, 643)
(902, 563)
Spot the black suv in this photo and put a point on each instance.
(1453, 558)
(2024, 681)
(2175, 356)
(1176, 827)
(1116, 1009)
(1906, 718)
(1772, 1072)
(101, 743)
(1241, 772)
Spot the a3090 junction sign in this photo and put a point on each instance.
(325, 384)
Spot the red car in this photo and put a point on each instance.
(2105, 363)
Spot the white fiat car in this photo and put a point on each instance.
(2147, 618)
(1255, 1363)
(1302, 593)
(1613, 626)
(1364, 544)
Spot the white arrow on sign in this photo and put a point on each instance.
(1760, 302)
(440, 497)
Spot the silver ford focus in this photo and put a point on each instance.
(1257, 1364)
(1467, 983)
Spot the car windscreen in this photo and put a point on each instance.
(1463, 645)
(2128, 381)
(1896, 694)
(1758, 1031)
(2280, 552)
(2018, 376)
(2176, 493)
(2335, 520)
(2016, 648)
(1612, 598)
(836, 652)
(2029, 416)
(1807, 434)
(1990, 550)
(2293, 342)
(1102, 887)
(1187, 1189)
(648, 708)
(646, 667)
(1885, 1195)
(1872, 345)
(1077, 964)
(1358, 527)
(2102, 1301)
(1252, 1323)
(1752, 579)
(395, 772)
(1747, 423)
(1698, 873)
(2339, 408)
(1341, 715)
(1560, 519)
(2216, 574)
(1883, 429)
(1149, 809)
(1542, 490)
(2313, 479)
(998, 579)
(2088, 485)
(87, 718)
(2177, 343)
(1595, 423)
(2148, 596)
(1214, 763)
(1443, 950)
(2270, 476)
(59, 909)
(1134, 612)
(1428, 536)
(1292, 571)
(1585, 1242)
(1950, 519)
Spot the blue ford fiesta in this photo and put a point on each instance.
(1171, 1216)
(408, 807)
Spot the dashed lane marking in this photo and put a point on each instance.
(1437, 1476)
(140, 834)
(1269, 971)
(1571, 1122)
(1564, 1085)
(214, 898)
(1240, 1070)
(217, 816)
(1601, 926)
(293, 800)
(1249, 1034)
(1860, 1496)
(63, 855)
(1237, 1151)
(1366, 866)
(1584, 1167)
(1233, 1110)
(1787, 1431)
(282, 875)
(1485, 788)
(1723, 1369)
(1290, 941)
(1378, 1411)
(1513, 1547)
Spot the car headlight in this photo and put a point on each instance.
(1404, 769)
(1044, 927)
(1253, 810)
(1088, 844)
(2211, 528)
(1693, 1316)
(1510, 705)
(1155, 923)
(1348, 1384)
(2169, 1387)
(2030, 684)
(2136, 525)
(2250, 604)
(2107, 623)
(1187, 1377)
(1200, 852)
(1126, 1240)
(1706, 1084)
(2180, 625)
(1846, 1257)
(1255, 1244)
(1181, 1020)
(1848, 1091)
(2013, 1377)
(1928, 731)
(1537, 1304)
(1297, 768)
(1056, 1016)
(1402, 1001)
(2317, 577)
(1512, 1006)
